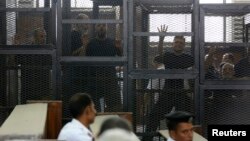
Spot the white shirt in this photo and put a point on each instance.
(156, 84)
(170, 139)
(75, 131)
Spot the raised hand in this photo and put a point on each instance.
(162, 29)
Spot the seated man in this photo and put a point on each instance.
(180, 126)
(82, 109)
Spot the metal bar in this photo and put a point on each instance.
(47, 22)
(125, 53)
(53, 76)
(91, 21)
(227, 82)
(166, 76)
(202, 46)
(131, 93)
(53, 21)
(227, 9)
(165, 71)
(26, 51)
(227, 44)
(111, 60)
(36, 47)
(125, 27)
(163, 34)
(164, 2)
(169, 9)
(46, 9)
(227, 87)
(196, 49)
(109, 2)
(202, 106)
(59, 49)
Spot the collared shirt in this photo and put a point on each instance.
(75, 131)
(170, 139)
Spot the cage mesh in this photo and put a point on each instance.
(154, 98)
(226, 107)
(225, 29)
(29, 76)
(103, 83)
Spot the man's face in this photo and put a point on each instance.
(178, 45)
(183, 132)
(91, 112)
(226, 58)
(227, 71)
(101, 30)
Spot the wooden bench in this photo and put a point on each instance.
(36, 120)
(25, 122)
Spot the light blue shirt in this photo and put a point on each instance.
(75, 131)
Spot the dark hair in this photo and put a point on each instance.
(176, 117)
(115, 123)
(78, 104)
(230, 56)
(179, 37)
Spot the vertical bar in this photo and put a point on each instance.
(130, 51)
(59, 49)
(47, 21)
(202, 106)
(53, 31)
(196, 49)
(56, 95)
(3, 39)
(66, 30)
(145, 44)
(125, 50)
(202, 44)
(95, 15)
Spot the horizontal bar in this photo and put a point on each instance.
(227, 82)
(163, 34)
(14, 47)
(168, 10)
(27, 51)
(223, 87)
(168, 74)
(108, 2)
(227, 9)
(165, 2)
(47, 9)
(226, 44)
(93, 60)
(91, 21)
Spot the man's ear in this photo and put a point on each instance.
(87, 110)
(172, 134)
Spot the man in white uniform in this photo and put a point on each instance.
(83, 111)
(180, 126)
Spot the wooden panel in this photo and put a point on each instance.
(25, 122)
(54, 118)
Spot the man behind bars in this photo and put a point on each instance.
(103, 82)
(173, 94)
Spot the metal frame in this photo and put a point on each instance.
(218, 10)
(61, 16)
(81, 61)
(50, 16)
(169, 74)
